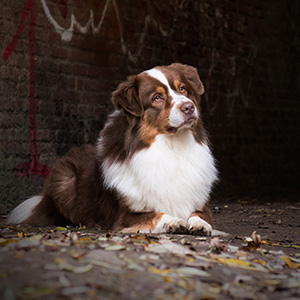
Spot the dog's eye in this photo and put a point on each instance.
(182, 89)
(157, 98)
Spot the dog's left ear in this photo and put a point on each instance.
(126, 97)
(191, 75)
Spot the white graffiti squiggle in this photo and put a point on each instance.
(67, 33)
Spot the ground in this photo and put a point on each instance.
(259, 259)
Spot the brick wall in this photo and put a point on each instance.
(246, 53)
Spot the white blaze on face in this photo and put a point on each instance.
(176, 116)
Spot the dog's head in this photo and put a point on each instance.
(162, 100)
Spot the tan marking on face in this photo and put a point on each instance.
(177, 84)
(160, 90)
(149, 131)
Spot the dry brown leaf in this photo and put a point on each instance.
(254, 241)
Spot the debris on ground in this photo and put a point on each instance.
(85, 263)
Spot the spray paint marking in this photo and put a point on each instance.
(32, 167)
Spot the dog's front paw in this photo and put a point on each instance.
(169, 224)
(198, 226)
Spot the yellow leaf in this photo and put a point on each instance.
(59, 228)
(167, 279)
(2, 240)
(263, 263)
(84, 240)
(7, 242)
(20, 235)
(160, 272)
(235, 262)
(269, 243)
(290, 263)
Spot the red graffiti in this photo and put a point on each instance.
(32, 167)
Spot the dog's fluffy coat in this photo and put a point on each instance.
(152, 169)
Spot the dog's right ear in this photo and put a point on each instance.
(126, 97)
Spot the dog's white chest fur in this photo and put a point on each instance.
(174, 175)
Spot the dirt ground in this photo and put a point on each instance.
(80, 263)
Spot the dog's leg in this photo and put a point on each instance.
(153, 222)
(200, 222)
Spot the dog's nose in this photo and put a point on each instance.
(187, 108)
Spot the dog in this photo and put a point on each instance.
(150, 171)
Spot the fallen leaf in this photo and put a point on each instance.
(290, 283)
(232, 248)
(240, 291)
(107, 259)
(297, 260)
(21, 235)
(54, 243)
(235, 262)
(271, 244)
(82, 269)
(138, 239)
(36, 237)
(74, 253)
(74, 290)
(115, 248)
(64, 281)
(263, 263)
(104, 264)
(170, 248)
(85, 240)
(21, 244)
(37, 293)
(167, 279)
(207, 291)
(2, 240)
(160, 272)
(185, 284)
(10, 241)
(74, 269)
(131, 264)
(149, 257)
(59, 228)
(59, 260)
(290, 263)
(192, 272)
(254, 241)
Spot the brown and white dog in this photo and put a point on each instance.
(151, 171)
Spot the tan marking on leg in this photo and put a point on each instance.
(144, 226)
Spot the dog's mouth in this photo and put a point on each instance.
(187, 123)
(172, 130)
